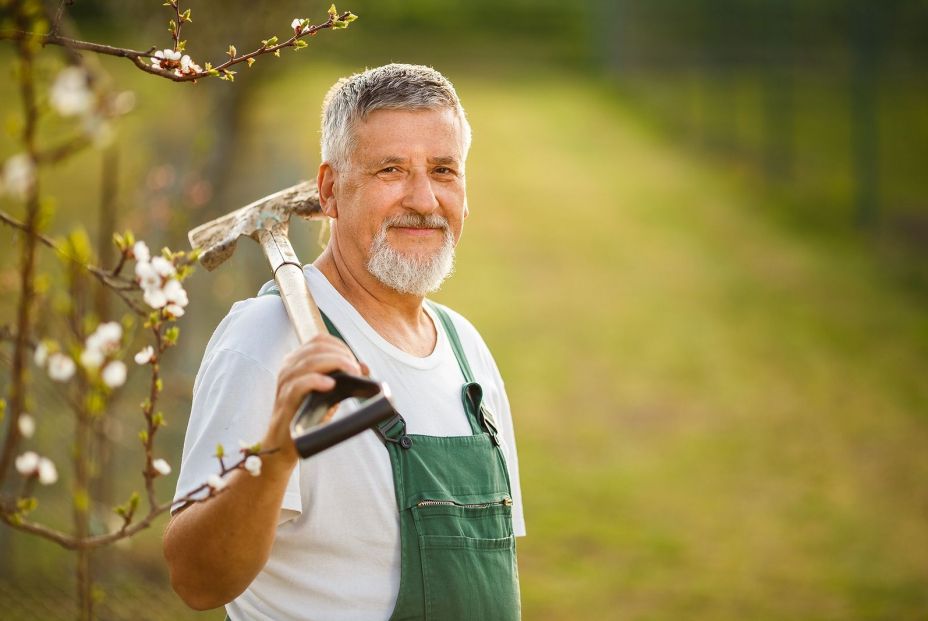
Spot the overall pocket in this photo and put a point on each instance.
(468, 558)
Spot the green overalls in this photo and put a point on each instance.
(458, 556)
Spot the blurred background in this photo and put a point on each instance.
(698, 248)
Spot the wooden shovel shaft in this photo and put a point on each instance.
(288, 273)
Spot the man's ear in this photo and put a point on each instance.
(325, 181)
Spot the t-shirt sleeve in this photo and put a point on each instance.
(232, 402)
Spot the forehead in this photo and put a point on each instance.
(407, 133)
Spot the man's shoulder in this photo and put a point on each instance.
(257, 328)
(465, 329)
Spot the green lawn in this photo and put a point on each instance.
(718, 417)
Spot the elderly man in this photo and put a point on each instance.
(415, 520)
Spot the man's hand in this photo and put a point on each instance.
(305, 370)
(216, 548)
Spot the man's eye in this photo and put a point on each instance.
(444, 170)
(389, 169)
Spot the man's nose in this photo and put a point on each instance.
(420, 196)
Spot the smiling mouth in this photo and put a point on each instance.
(418, 230)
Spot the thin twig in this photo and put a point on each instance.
(138, 57)
(119, 286)
(9, 515)
(56, 24)
(66, 149)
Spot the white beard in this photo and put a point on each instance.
(412, 275)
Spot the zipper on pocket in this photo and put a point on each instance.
(506, 502)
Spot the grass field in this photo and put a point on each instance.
(719, 417)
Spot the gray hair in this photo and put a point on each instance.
(390, 87)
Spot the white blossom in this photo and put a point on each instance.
(41, 354)
(140, 252)
(60, 367)
(27, 463)
(145, 355)
(155, 298)
(114, 374)
(297, 24)
(19, 175)
(162, 467)
(104, 340)
(110, 333)
(216, 482)
(148, 277)
(156, 61)
(91, 358)
(188, 66)
(253, 465)
(166, 54)
(174, 292)
(71, 94)
(163, 267)
(174, 310)
(26, 425)
(48, 474)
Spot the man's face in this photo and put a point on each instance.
(401, 201)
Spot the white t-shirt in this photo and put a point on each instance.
(337, 552)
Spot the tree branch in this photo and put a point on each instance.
(10, 516)
(120, 286)
(137, 56)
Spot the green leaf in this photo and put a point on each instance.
(185, 16)
(250, 62)
(277, 53)
(81, 500)
(79, 245)
(220, 451)
(349, 18)
(333, 12)
(158, 420)
(143, 436)
(231, 51)
(171, 335)
(300, 44)
(27, 505)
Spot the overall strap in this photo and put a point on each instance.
(454, 338)
(472, 393)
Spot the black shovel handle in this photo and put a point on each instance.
(311, 436)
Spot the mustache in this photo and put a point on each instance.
(417, 221)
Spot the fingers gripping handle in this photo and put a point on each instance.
(312, 434)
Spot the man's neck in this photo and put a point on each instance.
(397, 317)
